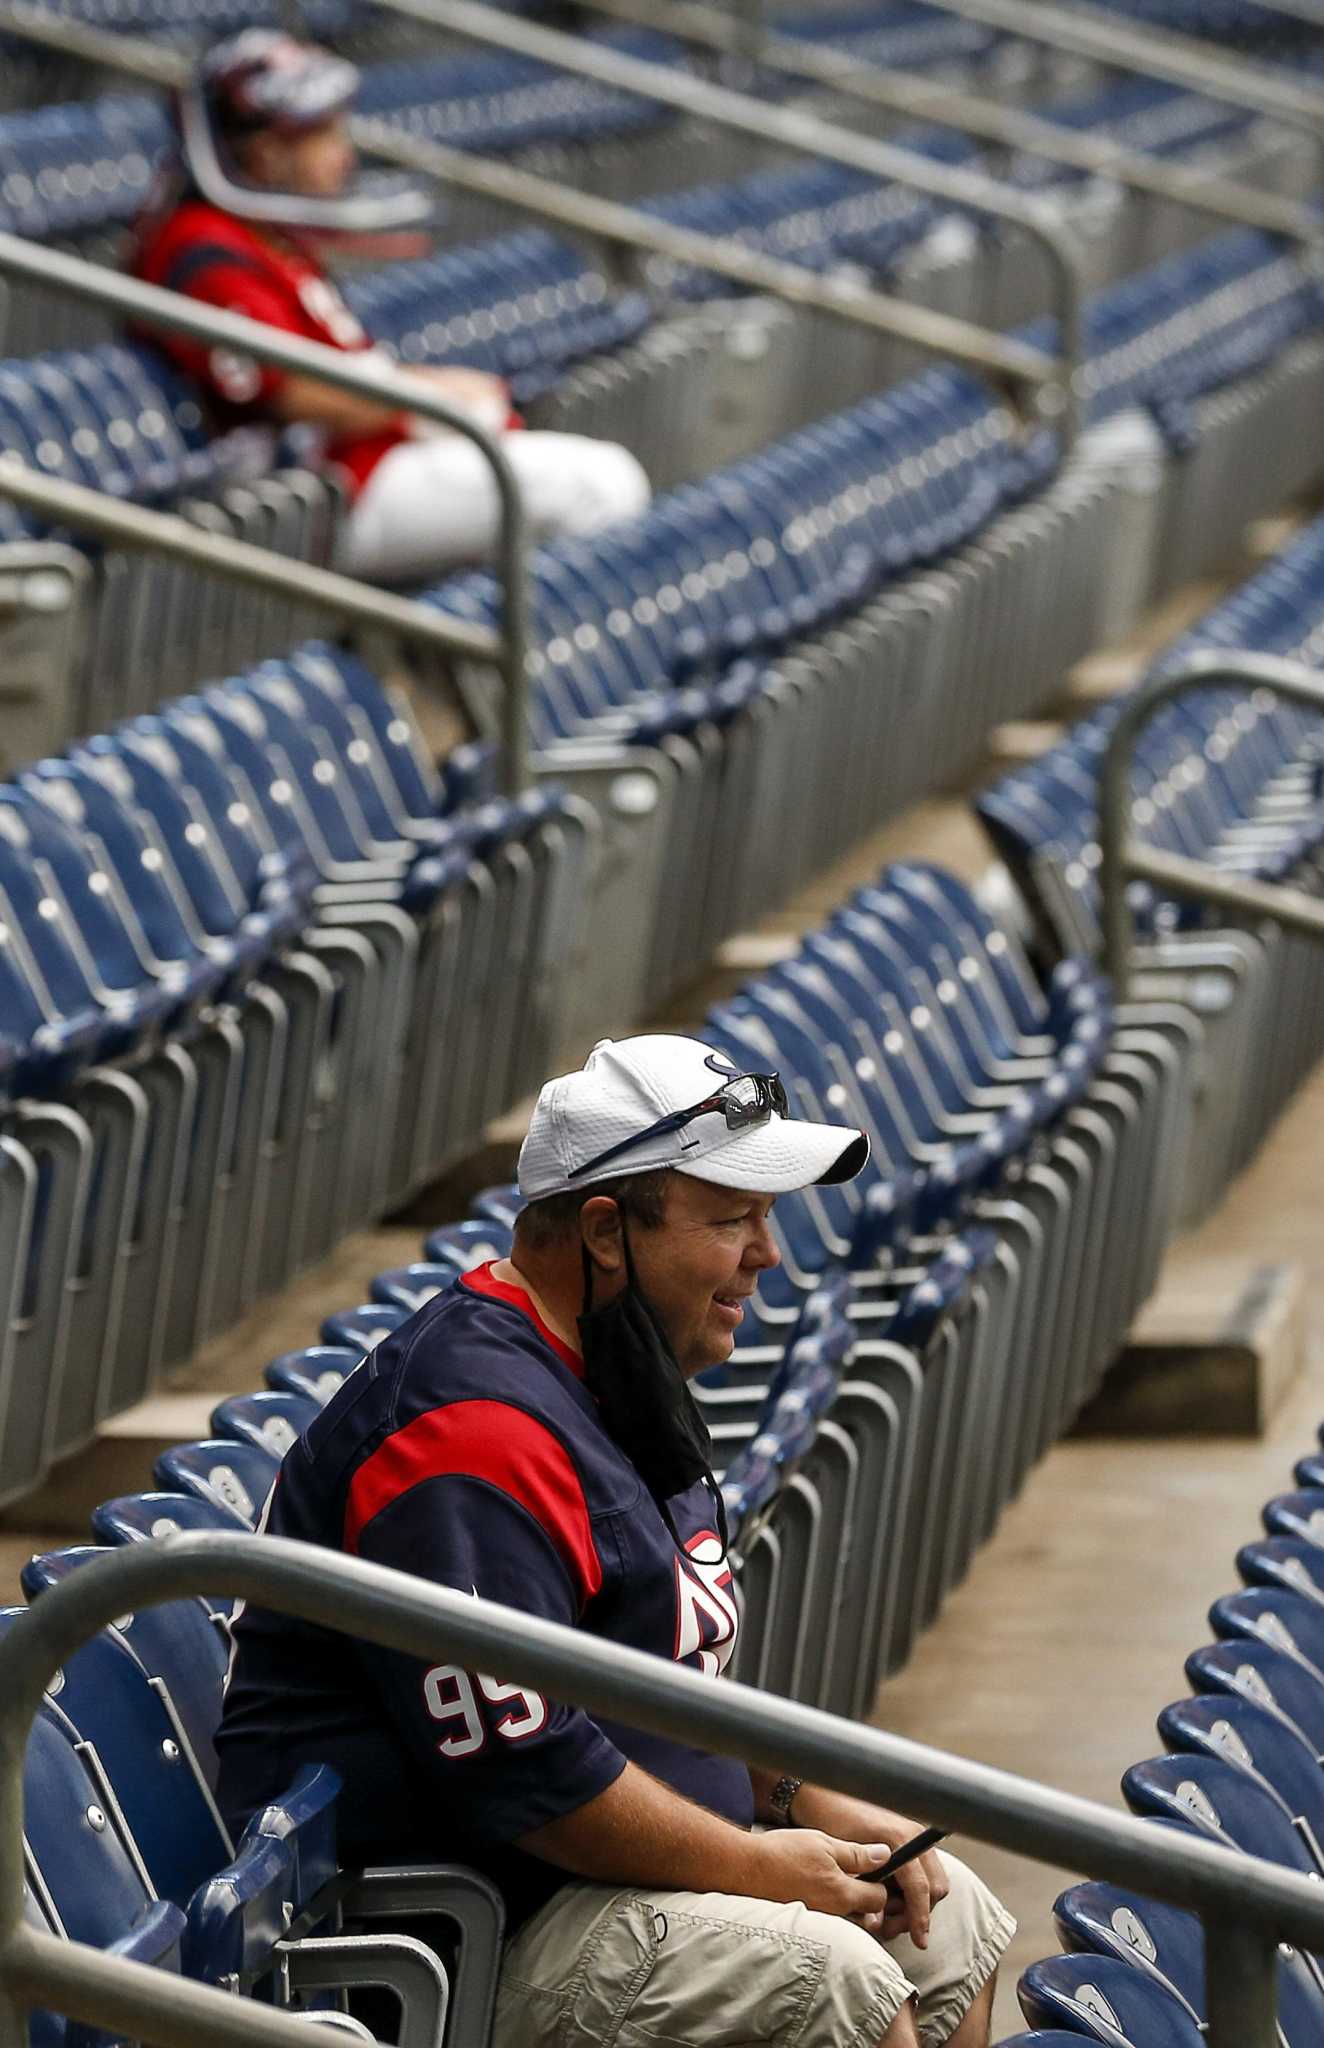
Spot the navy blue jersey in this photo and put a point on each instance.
(467, 1449)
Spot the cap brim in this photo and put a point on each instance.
(777, 1157)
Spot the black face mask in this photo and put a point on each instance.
(647, 1409)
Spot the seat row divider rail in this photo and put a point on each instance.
(1026, 372)
(1127, 45)
(1249, 1905)
(806, 134)
(923, 99)
(1124, 859)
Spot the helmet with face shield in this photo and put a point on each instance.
(264, 81)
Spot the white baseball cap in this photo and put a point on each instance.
(716, 1122)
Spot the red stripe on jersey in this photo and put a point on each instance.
(484, 1440)
(479, 1279)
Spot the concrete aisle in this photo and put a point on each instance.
(1070, 1632)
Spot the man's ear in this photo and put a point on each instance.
(600, 1231)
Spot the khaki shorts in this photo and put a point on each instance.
(601, 1968)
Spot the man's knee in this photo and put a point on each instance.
(968, 1937)
(620, 483)
(573, 485)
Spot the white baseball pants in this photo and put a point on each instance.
(431, 505)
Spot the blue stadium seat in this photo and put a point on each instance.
(1299, 1515)
(1250, 1668)
(271, 1421)
(179, 1643)
(1292, 1562)
(1256, 1741)
(1218, 1799)
(1106, 2000)
(475, 1242)
(1166, 1944)
(137, 1517)
(409, 1287)
(1285, 1621)
(362, 1329)
(318, 1371)
(141, 1745)
(85, 1867)
(233, 1475)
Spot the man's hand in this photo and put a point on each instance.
(917, 1887)
(911, 1897)
(484, 397)
(821, 1872)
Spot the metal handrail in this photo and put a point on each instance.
(1129, 46)
(348, 371)
(807, 134)
(1123, 859)
(126, 525)
(1248, 1905)
(922, 99)
(1011, 362)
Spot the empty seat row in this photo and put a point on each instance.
(1222, 776)
(1242, 1769)
(525, 306)
(88, 165)
(248, 946)
(1228, 776)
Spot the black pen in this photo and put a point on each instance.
(918, 1845)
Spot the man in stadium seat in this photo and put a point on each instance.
(268, 176)
(529, 1437)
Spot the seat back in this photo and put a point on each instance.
(229, 1474)
(271, 1421)
(131, 1723)
(178, 1643)
(1107, 2000)
(138, 1517)
(1255, 1741)
(1270, 1677)
(86, 1864)
(1286, 1621)
(317, 1372)
(1167, 1944)
(1220, 1800)
(363, 1329)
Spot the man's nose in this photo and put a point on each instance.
(764, 1250)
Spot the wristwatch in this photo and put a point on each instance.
(779, 1799)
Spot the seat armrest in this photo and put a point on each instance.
(474, 1906)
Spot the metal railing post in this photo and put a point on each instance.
(1123, 859)
(1010, 362)
(1259, 1901)
(1241, 1986)
(794, 129)
(347, 371)
(970, 113)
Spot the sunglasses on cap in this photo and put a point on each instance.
(744, 1100)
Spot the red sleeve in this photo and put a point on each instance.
(506, 1448)
(207, 256)
(234, 377)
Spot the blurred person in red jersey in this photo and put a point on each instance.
(267, 179)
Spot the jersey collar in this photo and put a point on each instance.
(479, 1280)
